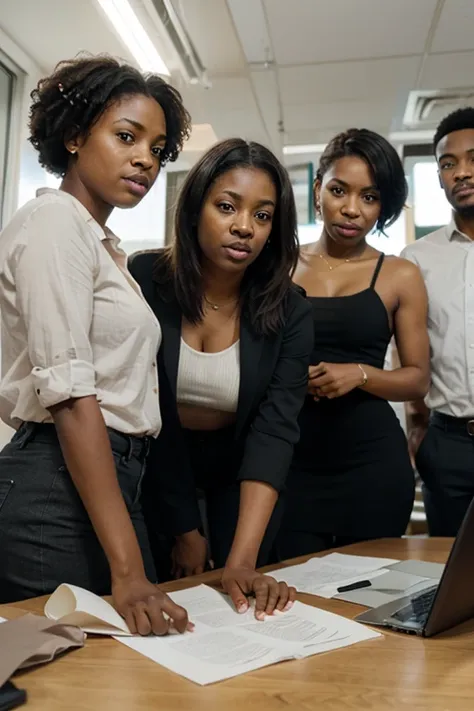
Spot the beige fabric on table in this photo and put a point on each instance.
(31, 640)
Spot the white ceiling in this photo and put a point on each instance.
(283, 71)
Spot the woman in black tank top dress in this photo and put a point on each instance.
(351, 477)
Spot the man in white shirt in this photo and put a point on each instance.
(445, 457)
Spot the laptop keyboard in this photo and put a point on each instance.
(418, 608)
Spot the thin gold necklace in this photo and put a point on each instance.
(216, 307)
(331, 268)
(344, 261)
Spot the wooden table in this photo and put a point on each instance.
(394, 672)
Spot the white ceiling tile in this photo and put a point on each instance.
(455, 27)
(266, 92)
(307, 31)
(229, 106)
(323, 135)
(52, 30)
(338, 81)
(253, 35)
(210, 26)
(442, 71)
(225, 95)
(338, 115)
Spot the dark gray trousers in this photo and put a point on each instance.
(46, 537)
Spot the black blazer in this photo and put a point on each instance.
(273, 385)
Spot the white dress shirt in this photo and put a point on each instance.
(446, 259)
(73, 321)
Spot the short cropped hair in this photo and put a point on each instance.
(384, 163)
(69, 101)
(457, 120)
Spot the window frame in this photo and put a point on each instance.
(10, 172)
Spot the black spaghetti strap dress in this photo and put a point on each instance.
(351, 477)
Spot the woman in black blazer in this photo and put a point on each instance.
(232, 368)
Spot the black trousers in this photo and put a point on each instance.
(46, 537)
(215, 460)
(445, 463)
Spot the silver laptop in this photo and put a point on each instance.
(440, 606)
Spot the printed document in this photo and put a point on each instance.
(322, 576)
(225, 644)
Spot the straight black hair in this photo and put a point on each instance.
(266, 282)
(384, 163)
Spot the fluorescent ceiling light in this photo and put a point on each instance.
(298, 149)
(420, 135)
(132, 33)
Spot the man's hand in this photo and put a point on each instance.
(415, 436)
(189, 554)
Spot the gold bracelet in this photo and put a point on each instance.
(364, 376)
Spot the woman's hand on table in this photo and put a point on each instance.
(270, 595)
(142, 604)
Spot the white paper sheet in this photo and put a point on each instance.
(322, 576)
(72, 605)
(237, 643)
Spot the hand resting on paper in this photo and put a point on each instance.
(270, 595)
(142, 605)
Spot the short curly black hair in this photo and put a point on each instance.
(458, 120)
(69, 101)
(384, 162)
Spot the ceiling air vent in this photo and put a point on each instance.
(425, 109)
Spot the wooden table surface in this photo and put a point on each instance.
(394, 672)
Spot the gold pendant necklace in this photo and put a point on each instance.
(216, 307)
(331, 268)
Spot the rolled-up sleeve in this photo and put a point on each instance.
(54, 279)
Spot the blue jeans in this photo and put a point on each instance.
(46, 537)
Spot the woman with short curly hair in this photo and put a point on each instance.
(79, 345)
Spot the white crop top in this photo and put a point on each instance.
(209, 379)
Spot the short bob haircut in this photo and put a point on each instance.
(458, 120)
(384, 163)
(266, 282)
(69, 101)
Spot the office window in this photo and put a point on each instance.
(431, 208)
(6, 97)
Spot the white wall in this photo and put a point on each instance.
(28, 73)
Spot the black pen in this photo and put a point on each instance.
(354, 586)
